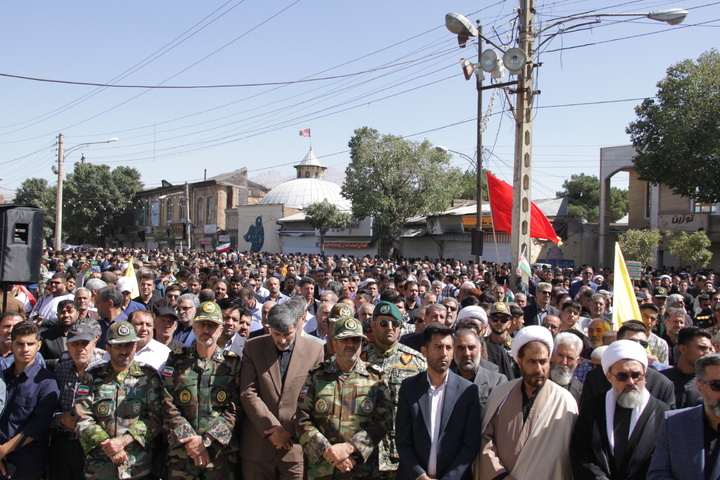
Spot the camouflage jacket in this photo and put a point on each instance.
(110, 405)
(201, 396)
(398, 363)
(336, 407)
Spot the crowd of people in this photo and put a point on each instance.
(165, 364)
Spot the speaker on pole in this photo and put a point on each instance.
(21, 241)
(478, 237)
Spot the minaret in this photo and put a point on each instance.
(310, 167)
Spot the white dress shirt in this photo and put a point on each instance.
(437, 397)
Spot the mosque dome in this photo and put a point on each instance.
(309, 187)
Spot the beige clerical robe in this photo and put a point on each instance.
(537, 449)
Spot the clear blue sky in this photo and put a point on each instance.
(175, 134)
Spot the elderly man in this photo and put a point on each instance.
(398, 362)
(186, 309)
(468, 352)
(595, 331)
(615, 433)
(528, 422)
(685, 447)
(565, 359)
(535, 313)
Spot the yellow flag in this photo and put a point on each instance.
(625, 305)
(130, 273)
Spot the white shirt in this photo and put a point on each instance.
(437, 397)
(154, 354)
(46, 307)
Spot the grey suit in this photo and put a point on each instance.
(486, 381)
(680, 449)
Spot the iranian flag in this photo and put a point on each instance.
(222, 247)
(305, 132)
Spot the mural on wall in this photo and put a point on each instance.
(255, 235)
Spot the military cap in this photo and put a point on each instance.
(121, 332)
(387, 309)
(81, 332)
(500, 308)
(660, 292)
(209, 312)
(340, 310)
(348, 328)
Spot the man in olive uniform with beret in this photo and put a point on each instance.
(399, 362)
(344, 410)
(119, 410)
(201, 402)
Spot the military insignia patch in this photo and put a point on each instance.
(405, 358)
(136, 406)
(221, 396)
(321, 405)
(83, 390)
(86, 380)
(102, 408)
(123, 330)
(367, 405)
(168, 371)
(345, 312)
(304, 391)
(185, 396)
(209, 307)
(384, 309)
(351, 324)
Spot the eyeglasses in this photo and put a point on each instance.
(713, 384)
(384, 323)
(499, 318)
(172, 296)
(550, 326)
(624, 377)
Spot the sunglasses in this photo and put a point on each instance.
(643, 343)
(713, 384)
(384, 323)
(544, 292)
(624, 377)
(185, 309)
(501, 319)
(452, 309)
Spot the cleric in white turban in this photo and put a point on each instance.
(624, 350)
(532, 333)
(472, 311)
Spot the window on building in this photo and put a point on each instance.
(705, 207)
(199, 210)
(183, 208)
(210, 217)
(168, 210)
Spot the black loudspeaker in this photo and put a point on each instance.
(478, 237)
(21, 240)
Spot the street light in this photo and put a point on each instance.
(59, 198)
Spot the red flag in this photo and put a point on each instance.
(501, 202)
(305, 133)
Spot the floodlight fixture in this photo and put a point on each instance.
(514, 60)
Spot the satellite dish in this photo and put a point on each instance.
(514, 60)
(489, 60)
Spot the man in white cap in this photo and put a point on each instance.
(615, 433)
(528, 421)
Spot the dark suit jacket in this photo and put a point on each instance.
(656, 383)
(268, 402)
(52, 347)
(412, 340)
(680, 449)
(459, 439)
(238, 345)
(532, 310)
(590, 448)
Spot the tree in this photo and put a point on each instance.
(325, 215)
(676, 136)
(583, 193)
(98, 202)
(467, 184)
(393, 179)
(693, 247)
(640, 245)
(36, 192)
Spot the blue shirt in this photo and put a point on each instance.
(8, 360)
(105, 325)
(31, 399)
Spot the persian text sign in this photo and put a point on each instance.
(686, 222)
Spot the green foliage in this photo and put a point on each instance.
(693, 247)
(393, 179)
(161, 236)
(467, 184)
(640, 245)
(98, 202)
(36, 192)
(677, 136)
(583, 192)
(325, 215)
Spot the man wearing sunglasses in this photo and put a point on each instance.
(615, 433)
(499, 343)
(535, 313)
(399, 362)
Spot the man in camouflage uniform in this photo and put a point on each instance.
(344, 410)
(201, 402)
(119, 410)
(398, 362)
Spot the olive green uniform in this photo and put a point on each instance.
(110, 405)
(201, 398)
(336, 407)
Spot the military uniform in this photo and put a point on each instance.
(398, 362)
(336, 406)
(110, 405)
(201, 398)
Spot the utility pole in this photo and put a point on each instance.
(479, 162)
(59, 198)
(187, 215)
(522, 172)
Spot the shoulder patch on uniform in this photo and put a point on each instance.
(185, 396)
(303, 391)
(83, 390)
(228, 353)
(168, 371)
(406, 358)
(178, 351)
